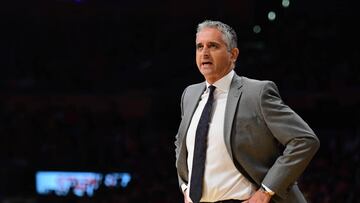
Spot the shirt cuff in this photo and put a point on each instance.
(268, 189)
(184, 187)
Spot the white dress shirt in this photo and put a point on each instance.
(222, 180)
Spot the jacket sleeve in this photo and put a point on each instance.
(299, 141)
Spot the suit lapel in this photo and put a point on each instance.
(231, 105)
(192, 102)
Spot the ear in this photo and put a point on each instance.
(234, 54)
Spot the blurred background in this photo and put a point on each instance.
(95, 86)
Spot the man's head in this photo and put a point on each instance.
(216, 49)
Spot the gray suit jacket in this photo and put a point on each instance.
(268, 142)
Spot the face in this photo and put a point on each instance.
(212, 56)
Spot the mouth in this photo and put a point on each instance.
(206, 63)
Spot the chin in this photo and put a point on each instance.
(206, 73)
(207, 70)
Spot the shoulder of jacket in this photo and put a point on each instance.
(194, 87)
(250, 81)
(197, 85)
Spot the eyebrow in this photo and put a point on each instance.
(211, 43)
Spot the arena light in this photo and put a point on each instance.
(257, 29)
(271, 15)
(285, 3)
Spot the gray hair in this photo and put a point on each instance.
(228, 33)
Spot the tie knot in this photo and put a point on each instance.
(211, 88)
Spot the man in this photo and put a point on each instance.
(256, 147)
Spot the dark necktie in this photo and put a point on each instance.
(200, 146)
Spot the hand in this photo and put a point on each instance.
(187, 197)
(259, 197)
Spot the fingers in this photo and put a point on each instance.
(187, 197)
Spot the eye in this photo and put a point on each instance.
(199, 46)
(213, 45)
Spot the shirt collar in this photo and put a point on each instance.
(224, 83)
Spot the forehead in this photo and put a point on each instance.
(209, 35)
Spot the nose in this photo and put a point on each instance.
(205, 51)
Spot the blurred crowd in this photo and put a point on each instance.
(86, 134)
